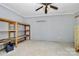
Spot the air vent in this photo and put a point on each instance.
(41, 21)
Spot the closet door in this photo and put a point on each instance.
(77, 37)
(76, 34)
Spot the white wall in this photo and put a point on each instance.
(5, 13)
(56, 28)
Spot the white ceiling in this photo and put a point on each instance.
(28, 9)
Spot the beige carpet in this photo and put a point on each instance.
(42, 48)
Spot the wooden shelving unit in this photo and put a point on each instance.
(16, 38)
(27, 31)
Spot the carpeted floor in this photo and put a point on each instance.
(42, 48)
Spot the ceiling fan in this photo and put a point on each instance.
(46, 6)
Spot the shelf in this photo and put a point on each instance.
(5, 41)
(6, 20)
(27, 25)
(21, 30)
(20, 41)
(27, 35)
(24, 24)
(11, 30)
(22, 36)
(8, 31)
(27, 30)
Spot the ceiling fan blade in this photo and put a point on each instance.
(39, 8)
(46, 10)
(54, 7)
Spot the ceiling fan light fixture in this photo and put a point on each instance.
(46, 5)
